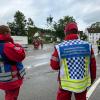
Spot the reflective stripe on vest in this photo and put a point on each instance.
(7, 76)
(22, 72)
(67, 80)
(6, 73)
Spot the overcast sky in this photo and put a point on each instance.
(85, 12)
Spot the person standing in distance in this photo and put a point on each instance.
(11, 68)
(75, 60)
(98, 45)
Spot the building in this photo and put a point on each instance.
(93, 34)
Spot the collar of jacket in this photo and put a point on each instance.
(71, 37)
(5, 37)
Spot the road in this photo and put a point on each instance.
(41, 82)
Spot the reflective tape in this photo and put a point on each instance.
(22, 72)
(8, 78)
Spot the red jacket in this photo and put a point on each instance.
(54, 62)
(13, 52)
(36, 43)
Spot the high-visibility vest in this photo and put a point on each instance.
(6, 73)
(74, 71)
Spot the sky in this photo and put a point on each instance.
(85, 12)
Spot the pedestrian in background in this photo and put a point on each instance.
(74, 58)
(36, 43)
(41, 43)
(98, 45)
(11, 69)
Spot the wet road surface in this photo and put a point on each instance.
(41, 82)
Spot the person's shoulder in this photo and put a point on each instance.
(84, 41)
(8, 44)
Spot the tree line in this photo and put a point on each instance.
(21, 26)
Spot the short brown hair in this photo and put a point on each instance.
(4, 29)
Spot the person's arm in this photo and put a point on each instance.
(14, 52)
(54, 62)
(93, 66)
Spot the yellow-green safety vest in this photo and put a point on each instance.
(71, 50)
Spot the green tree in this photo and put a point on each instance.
(49, 20)
(59, 26)
(30, 29)
(30, 22)
(12, 27)
(50, 27)
(83, 36)
(18, 26)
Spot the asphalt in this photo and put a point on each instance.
(40, 82)
(43, 84)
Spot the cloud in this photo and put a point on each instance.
(92, 16)
(84, 11)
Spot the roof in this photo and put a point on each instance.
(93, 30)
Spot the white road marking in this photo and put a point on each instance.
(36, 65)
(40, 64)
(43, 56)
(28, 67)
(39, 56)
(92, 88)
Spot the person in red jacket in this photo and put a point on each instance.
(71, 33)
(36, 43)
(11, 69)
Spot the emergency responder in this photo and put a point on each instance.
(74, 58)
(11, 69)
(98, 45)
(41, 43)
(36, 43)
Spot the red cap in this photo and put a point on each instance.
(70, 26)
